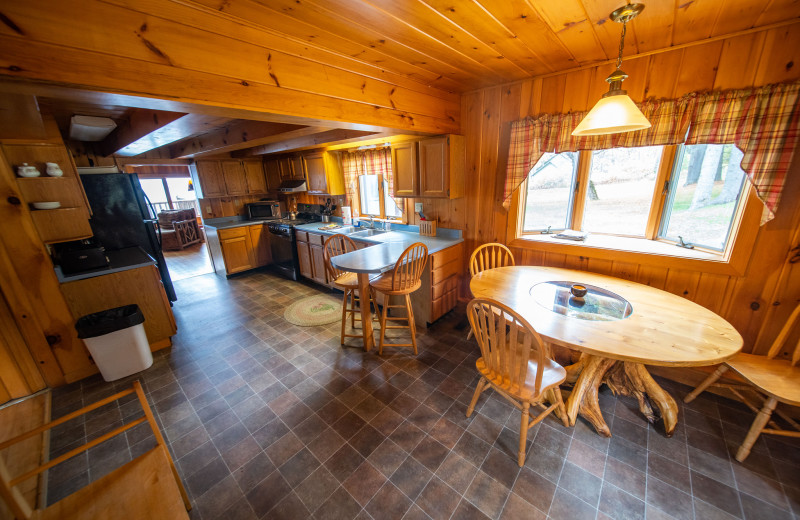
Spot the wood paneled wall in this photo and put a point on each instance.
(756, 303)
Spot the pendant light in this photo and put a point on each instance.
(615, 112)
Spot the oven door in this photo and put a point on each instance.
(284, 255)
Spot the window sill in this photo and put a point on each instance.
(633, 250)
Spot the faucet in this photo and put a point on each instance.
(371, 222)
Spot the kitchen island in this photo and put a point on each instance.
(131, 277)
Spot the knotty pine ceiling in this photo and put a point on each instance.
(463, 45)
(451, 45)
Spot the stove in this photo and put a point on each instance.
(284, 249)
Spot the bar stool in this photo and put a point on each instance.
(401, 281)
(336, 245)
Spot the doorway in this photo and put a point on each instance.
(174, 202)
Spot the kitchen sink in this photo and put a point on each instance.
(368, 233)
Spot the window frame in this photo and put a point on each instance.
(382, 194)
(650, 249)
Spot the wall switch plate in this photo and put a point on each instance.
(418, 207)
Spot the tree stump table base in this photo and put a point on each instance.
(624, 378)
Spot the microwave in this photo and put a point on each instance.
(264, 210)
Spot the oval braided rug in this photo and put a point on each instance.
(314, 310)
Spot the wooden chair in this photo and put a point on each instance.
(515, 362)
(178, 229)
(146, 487)
(336, 245)
(489, 256)
(401, 281)
(774, 380)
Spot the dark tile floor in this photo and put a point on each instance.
(269, 420)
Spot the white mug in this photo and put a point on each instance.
(53, 170)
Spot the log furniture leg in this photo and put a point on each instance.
(623, 378)
(583, 398)
(366, 315)
(640, 384)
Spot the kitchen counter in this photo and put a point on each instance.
(397, 238)
(119, 260)
(227, 223)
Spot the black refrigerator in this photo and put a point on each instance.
(122, 216)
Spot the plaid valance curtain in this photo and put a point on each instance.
(762, 122)
(377, 161)
(352, 167)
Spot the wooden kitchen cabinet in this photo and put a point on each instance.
(259, 241)
(404, 169)
(71, 220)
(229, 177)
(304, 255)
(210, 179)
(141, 286)
(311, 257)
(431, 167)
(324, 173)
(236, 249)
(297, 167)
(273, 173)
(439, 291)
(235, 179)
(254, 174)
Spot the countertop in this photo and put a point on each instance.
(398, 239)
(119, 260)
(231, 222)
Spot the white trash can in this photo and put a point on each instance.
(117, 341)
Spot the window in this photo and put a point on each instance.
(549, 196)
(704, 192)
(620, 190)
(369, 195)
(688, 193)
(370, 188)
(167, 193)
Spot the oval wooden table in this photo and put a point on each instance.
(663, 329)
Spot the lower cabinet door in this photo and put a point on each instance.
(318, 264)
(304, 257)
(237, 253)
(259, 239)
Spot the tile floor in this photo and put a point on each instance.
(269, 420)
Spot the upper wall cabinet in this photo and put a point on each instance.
(324, 173)
(321, 170)
(70, 219)
(432, 167)
(229, 177)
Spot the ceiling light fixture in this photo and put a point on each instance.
(615, 112)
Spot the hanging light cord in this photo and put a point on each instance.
(622, 43)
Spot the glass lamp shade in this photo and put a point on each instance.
(612, 115)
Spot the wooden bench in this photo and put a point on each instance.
(146, 487)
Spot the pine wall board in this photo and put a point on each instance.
(756, 303)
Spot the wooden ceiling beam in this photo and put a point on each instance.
(131, 136)
(317, 140)
(188, 125)
(236, 136)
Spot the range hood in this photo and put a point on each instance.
(292, 186)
